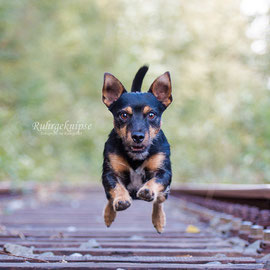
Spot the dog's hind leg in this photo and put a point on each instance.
(158, 216)
(109, 214)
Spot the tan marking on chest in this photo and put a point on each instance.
(118, 163)
(154, 162)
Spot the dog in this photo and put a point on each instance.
(137, 154)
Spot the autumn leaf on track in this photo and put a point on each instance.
(192, 229)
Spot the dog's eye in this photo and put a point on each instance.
(124, 116)
(151, 115)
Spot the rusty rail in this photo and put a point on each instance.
(66, 230)
(230, 191)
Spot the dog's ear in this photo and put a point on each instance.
(161, 88)
(112, 89)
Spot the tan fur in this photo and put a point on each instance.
(158, 217)
(153, 132)
(119, 193)
(154, 186)
(167, 102)
(147, 109)
(146, 137)
(128, 110)
(154, 162)
(161, 197)
(118, 163)
(155, 190)
(109, 214)
(107, 101)
(122, 132)
(129, 138)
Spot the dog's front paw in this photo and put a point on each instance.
(146, 194)
(121, 204)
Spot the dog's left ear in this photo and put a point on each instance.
(161, 88)
(112, 89)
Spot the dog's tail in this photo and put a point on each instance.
(137, 82)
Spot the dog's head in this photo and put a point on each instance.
(137, 116)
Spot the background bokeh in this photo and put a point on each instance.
(53, 56)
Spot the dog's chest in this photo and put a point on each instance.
(136, 178)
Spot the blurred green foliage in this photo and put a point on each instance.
(53, 56)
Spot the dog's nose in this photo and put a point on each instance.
(137, 137)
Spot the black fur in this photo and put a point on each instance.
(137, 82)
(141, 123)
(115, 145)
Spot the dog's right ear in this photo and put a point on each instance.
(112, 89)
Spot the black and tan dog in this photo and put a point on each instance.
(137, 153)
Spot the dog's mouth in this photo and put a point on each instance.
(137, 151)
(137, 148)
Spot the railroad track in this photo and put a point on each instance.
(64, 229)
